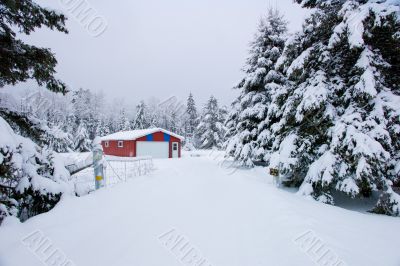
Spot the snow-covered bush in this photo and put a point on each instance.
(32, 179)
(388, 203)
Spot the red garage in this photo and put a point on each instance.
(155, 142)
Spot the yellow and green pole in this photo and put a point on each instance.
(98, 163)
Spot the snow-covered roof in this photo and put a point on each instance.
(135, 134)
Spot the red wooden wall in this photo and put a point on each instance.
(129, 149)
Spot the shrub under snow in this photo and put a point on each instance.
(32, 179)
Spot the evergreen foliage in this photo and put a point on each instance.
(82, 141)
(211, 129)
(32, 179)
(191, 122)
(141, 121)
(20, 61)
(248, 123)
(331, 121)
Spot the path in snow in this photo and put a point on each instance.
(233, 220)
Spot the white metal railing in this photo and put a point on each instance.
(116, 170)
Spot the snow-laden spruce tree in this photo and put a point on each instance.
(169, 115)
(340, 123)
(57, 139)
(247, 123)
(191, 121)
(103, 128)
(82, 142)
(141, 119)
(31, 178)
(211, 129)
(124, 124)
(84, 104)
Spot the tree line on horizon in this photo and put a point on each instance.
(70, 122)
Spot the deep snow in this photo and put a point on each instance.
(233, 219)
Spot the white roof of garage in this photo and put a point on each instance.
(135, 134)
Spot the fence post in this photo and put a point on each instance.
(98, 163)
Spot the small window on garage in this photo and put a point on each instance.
(175, 146)
(106, 144)
(120, 144)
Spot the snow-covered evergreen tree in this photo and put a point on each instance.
(103, 129)
(211, 129)
(85, 110)
(191, 121)
(141, 121)
(41, 116)
(248, 122)
(32, 179)
(82, 142)
(124, 124)
(57, 139)
(339, 123)
(170, 114)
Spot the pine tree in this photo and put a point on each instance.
(103, 129)
(168, 114)
(33, 185)
(141, 119)
(84, 106)
(124, 124)
(211, 129)
(57, 139)
(339, 119)
(248, 122)
(191, 121)
(82, 141)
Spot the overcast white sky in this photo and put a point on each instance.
(161, 48)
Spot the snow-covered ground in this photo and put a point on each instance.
(227, 218)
